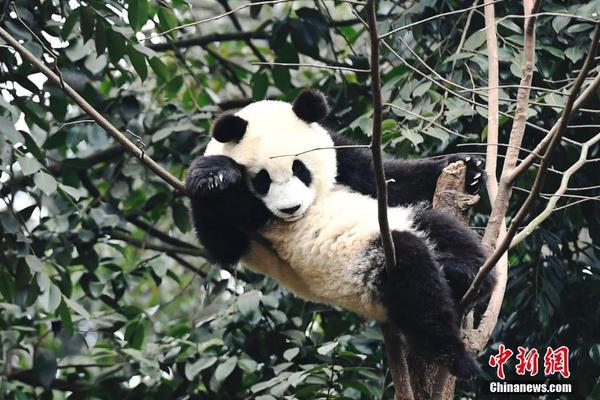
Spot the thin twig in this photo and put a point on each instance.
(308, 65)
(348, 146)
(432, 122)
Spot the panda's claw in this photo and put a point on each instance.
(212, 174)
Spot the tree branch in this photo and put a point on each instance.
(165, 248)
(152, 231)
(476, 338)
(564, 185)
(500, 203)
(382, 196)
(393, 343)
(541, 175)
(208, 39)
(95, 115)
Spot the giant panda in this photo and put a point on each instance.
(277, 192)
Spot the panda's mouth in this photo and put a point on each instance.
(292, 218)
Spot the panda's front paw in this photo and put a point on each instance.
(212, 174)
(475, 171)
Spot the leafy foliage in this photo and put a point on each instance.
(103, 293)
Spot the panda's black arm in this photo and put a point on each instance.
(224, 210)
(414, 180)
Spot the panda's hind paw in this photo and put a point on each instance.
(475, 171)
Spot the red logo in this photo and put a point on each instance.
(555, 361)
(528, 361)
(500, 359)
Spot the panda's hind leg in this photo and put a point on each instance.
(418, 301)
(457, 250)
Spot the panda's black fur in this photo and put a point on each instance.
(421, 295)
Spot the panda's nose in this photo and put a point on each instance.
(290, 210)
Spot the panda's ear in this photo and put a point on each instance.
(311, 106)
(229, 128)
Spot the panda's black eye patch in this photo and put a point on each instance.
(261, 182)
(300, 171)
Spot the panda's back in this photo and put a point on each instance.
(334, 247)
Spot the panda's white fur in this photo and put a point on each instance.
(327, 247)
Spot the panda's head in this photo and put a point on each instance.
(276, 142)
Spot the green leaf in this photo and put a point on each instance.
(75, 193)
(247, 365)
(260, 84)
(68, 26)
(135, 333)
(162, 133)
(193, 369)
(138, 60)
(50, 298)
(181, 215)
(289, 354)
(34, 263)
(73, 305)
(137, 13)
(87, 23)
(389, 124)
(248, 302)
(595, 353)
(117, 46)
(574, 54)
(560, 22)
(281, 77)
(9, 222)
(167, 19)
(327, 347)
(159, 68)
(45, 182)
(475, 41)
(507, 23)
(28, 165)
(101, 38)
(413, 136)
(422, 89)
(225, 369)
(65, 317)
(7, 286)
(7, 129)
(45, 366)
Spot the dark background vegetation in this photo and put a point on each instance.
(103, 293)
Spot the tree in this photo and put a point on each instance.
(103, 290)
